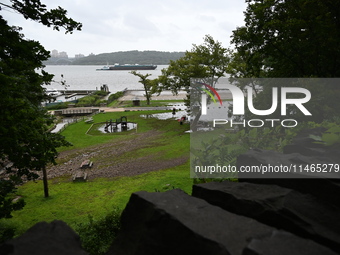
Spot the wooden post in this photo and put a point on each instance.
(45, 182)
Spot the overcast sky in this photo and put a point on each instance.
(123, 25)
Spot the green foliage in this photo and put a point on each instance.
(208, 60)
(149, 85)
(97, 235)
(96, 197)
(95, 99)
(62, 105)
(7, 189)
(332, 136)
(7, 231)
(26, 144)
(288, 39)
(115, 96)
(91, 100)
(215, 148)
(100, 93)
(35, 10)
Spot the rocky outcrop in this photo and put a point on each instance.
(282, 208)
(220, 218)
(176, 223)
(281, 242)
(55, 238)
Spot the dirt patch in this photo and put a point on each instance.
(114, 159)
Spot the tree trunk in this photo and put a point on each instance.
(45, 182)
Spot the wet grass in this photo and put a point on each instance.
(74, 202)
(77, 133)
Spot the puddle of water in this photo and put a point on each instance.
(119, 128)
(179, 106)
(63, 123)
(166, 115)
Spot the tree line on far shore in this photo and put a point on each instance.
(122, 57)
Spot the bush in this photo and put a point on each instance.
(115, 96)
(97, 235)
(95, 99)
(57, 106)
(100, 93)
(88, 101)
(7, 231)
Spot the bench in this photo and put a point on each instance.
(80, 177)
(86, 164)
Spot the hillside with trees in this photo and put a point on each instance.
(130, 57)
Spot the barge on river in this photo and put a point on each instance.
(127, 67)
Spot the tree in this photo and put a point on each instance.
(26, 146)
(149, 85)
(290, 38)
(208, 61)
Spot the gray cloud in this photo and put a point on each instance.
(113, 25)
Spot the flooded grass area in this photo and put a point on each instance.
(117, 128)
(166, 115)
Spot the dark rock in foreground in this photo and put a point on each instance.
(282, 208)
(55, 238)
(176, 223)
(173, 222)
(284, 243)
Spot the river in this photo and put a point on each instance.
(85, 77)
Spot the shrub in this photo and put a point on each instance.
(100, 93)
(97, 235)
(57, 106)
(7, 231)
(115, 96)
(87, 101)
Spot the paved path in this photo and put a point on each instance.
(110, 109)
(130, 95)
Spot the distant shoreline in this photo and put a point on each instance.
(121, 57)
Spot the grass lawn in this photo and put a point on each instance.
(76, 133)
(74, 202)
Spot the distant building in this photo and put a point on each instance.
(79, 56)
(63, 54)
(54, 54)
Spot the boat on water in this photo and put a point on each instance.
(127, 67)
